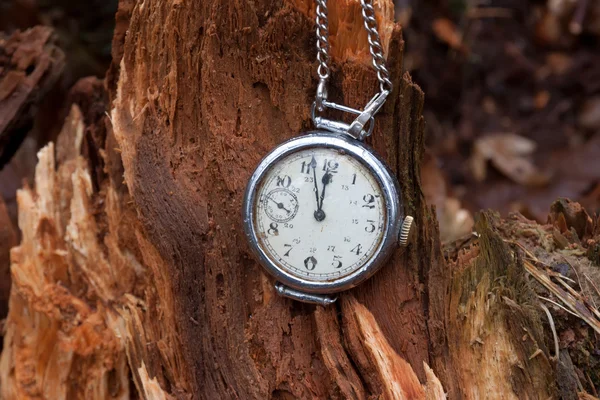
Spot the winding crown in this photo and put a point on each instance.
(405, 230)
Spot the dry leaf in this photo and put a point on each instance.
(561, 8)
(454, 221)
(541, 99)
(559, 63)
(509, 154)
(447, 32)
(548, 29)
(589, 116)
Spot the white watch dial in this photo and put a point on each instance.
(319, 214)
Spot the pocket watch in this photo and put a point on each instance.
(322, 212)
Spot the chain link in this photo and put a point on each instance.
(362, 126)
(375, 47)
(322, 40)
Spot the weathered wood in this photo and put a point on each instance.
(191, 126)
(30, 65)
(57, 343)
(491, 324)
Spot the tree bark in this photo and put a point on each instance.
(133, 264)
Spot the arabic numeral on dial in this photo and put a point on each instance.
(337, 263)
(306, 166)
(347, 239)
(330, 165)
(296, 241)
(354, 221)
(273, 231)
(284, 181)
(370, 228)
(345, 187)
(357, 249)
(310, 263)
(287, 253)
(369, 200)
(312, 250)
(330, 248)
(288, 225)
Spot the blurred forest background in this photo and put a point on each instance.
(512, 100)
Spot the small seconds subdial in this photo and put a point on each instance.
(281, 205)
(321, 214)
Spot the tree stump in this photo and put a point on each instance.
(133, 265)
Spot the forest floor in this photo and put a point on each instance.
(512, 104)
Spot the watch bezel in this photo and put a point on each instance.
(391, 196)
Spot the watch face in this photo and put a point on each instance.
(319, 214)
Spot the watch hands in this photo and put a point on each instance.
(279, 205)
(319, 214)
(325, 180)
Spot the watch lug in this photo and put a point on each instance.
(406, 231)
(320, 299)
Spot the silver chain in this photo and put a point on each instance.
(362, 126)
(322, 40)
(375, 47)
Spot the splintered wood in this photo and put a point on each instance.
(63, 338)
(381, 367)
(56, 331)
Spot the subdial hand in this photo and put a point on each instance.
(281, 206)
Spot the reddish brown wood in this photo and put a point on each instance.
(231, 89)
(30, 65)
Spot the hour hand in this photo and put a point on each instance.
(325, 181)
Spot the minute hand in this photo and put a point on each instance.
(319, 214)
(314, 167)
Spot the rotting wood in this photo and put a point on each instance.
(247, 99)
(30, 65)
(56, 333)
(492, 324)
